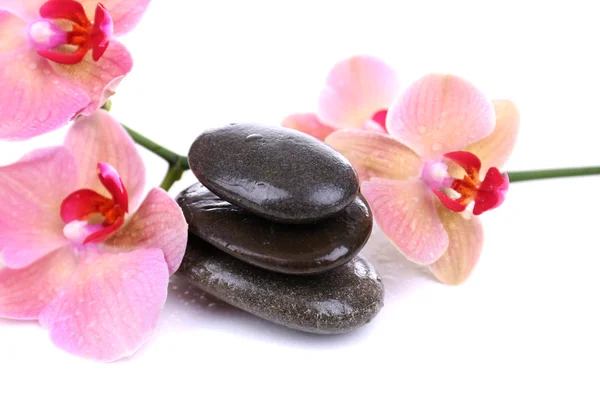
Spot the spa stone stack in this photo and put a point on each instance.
(276, 225)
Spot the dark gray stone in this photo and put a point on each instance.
(337, 301)
(278, 173)
(291, 249)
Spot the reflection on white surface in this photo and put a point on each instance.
(527, 313)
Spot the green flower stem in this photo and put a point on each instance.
(177, 164)
(171, 157)
(173, 174)
(520, 176)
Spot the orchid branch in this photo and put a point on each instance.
(178, 164)
(520, 176)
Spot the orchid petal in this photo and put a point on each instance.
(158, 223)
(25, 292)
(307, 123)
(32, 191)
(33, 98)
(27, 10)
(99, 138)
(466, 242)
(495, 149)
(98, 78)
(405, 212)
(111, 304)
(125, 13)
(357, 88)
(13, 32)
(440, 113)
(375, 154)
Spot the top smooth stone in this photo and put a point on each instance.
(278, 173)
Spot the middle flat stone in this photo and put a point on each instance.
(290, 249)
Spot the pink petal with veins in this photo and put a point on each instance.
(100, 138)
(440, 113)
(307, 123)
(32, 191)
(24, 293)
(495, 149)
(405, 212)
(465, 244)
(13, 31)
(33, 98)
(97, 79)
(158, 223)
(111, 304)
(376, 155)
(355, 90)
(27, 10)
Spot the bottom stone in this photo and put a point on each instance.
(337, 301)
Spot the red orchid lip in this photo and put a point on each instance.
(88, 205)
(112, 182)
(84, 35)
(487, 194)
(380, 117)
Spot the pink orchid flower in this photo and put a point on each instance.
(445, 144)
(357, 94)
(58, 59)
(72, 255)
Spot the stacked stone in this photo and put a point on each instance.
(276, 224)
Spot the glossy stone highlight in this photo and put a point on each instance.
(278, 173)
(337, 301)
(291, 249)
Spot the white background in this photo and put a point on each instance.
(524, 326)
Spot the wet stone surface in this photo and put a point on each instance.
(278, 173)
(337, 301)
(292, 249)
